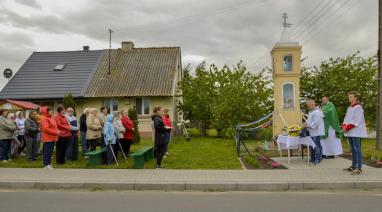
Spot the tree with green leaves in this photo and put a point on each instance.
(133, 116)
(68, 101)
(241, 97)
(336, 77)
(222, 98)
(198, 96)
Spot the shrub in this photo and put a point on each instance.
(193, 132)
(368, 155)
(212, 133)
(68, 101)
(251, 161)
(265, 134)
(133, 115)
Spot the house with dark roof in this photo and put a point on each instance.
(123, 78)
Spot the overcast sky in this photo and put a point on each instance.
(217, 31)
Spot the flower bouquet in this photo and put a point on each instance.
(294, 130)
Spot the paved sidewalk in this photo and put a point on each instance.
(299, 176)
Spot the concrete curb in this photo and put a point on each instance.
(194, 186)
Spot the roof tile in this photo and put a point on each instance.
(136, 72)
(36, 78)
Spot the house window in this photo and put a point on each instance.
(7, 106)
(288, 63)
(288, 95)
(111, 104)
(143, 106)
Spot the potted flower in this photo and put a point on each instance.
(294, 130)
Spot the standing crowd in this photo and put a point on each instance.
(115, 132)
(95, 129)
(324, 129)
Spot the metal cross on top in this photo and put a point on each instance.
(285, 24)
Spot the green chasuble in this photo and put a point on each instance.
(331, 119)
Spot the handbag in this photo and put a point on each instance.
(304, 133)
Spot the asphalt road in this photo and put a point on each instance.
(113, 201)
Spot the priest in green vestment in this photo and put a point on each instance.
(331, 142)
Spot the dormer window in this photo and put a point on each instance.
(59, 67)
(288, 63)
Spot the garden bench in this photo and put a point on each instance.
(142, 155)
(95, 157)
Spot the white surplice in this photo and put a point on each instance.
(331, 146)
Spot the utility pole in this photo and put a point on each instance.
(110, 31)
(379, 101)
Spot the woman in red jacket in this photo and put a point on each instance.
(128, 136)
(167, 123)
(49, 135)
(65, 135)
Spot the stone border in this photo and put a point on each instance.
(194, 186)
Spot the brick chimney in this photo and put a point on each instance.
(127, 45)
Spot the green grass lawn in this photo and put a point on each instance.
(202, 153)
(199, 153)
(368, 148)
(194, 132)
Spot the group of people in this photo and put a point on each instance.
(324, 129)
(95, 129)
(106, 130)
(115, 132)
(17, 134)
(28, 132)
(61, 131)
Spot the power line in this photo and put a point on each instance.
(331, 20)
(334, 10)
(312, 13)
(311, 34)
(309, 14)
(186, 19)
(190, 18)
(260, 61)
(317, 17)
(318, 10)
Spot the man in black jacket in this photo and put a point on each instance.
(31, 130)
(160, 134)
(83, 129)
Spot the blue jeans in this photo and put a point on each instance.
(316, 156)
(5, 146)
(72, 149)
(167, 139)
(356, 152)
(48, 151)
(84, 144)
